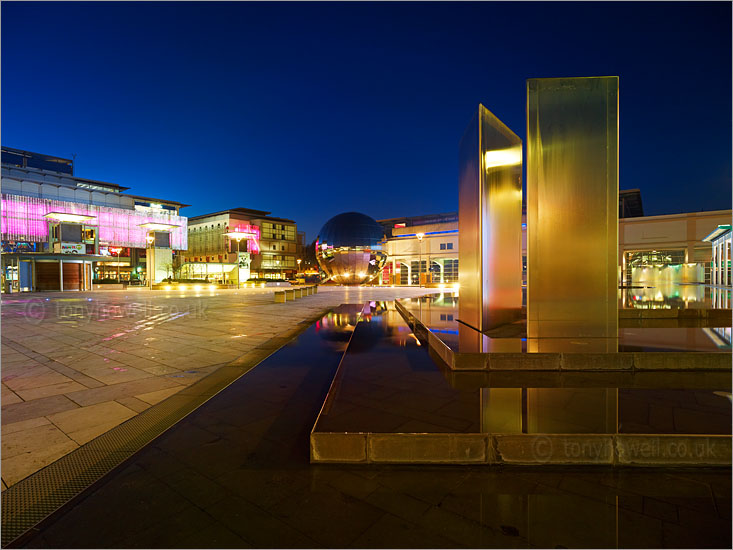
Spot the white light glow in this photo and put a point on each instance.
(239, 235)
(158, 226)
(66, 217)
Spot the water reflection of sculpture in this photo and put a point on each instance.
(349, 248)
(339, 324)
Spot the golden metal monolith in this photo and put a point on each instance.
(489, 223)
(572, 211)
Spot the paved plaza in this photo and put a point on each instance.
(235, 473)
(75, 365)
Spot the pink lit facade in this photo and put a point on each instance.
(253, 236)
(23, 219)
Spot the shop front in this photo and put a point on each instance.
(37, 272)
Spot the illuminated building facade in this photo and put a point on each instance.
(61, 232)
(421, 250)
(234, 245)
(669, 247)
(655, 250)
(720, 239)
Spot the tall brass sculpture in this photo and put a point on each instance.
(489, 223)
(572, 212)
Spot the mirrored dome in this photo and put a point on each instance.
(349, 248)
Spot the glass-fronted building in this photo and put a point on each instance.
(62, 232)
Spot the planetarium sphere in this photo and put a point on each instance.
(349, 248)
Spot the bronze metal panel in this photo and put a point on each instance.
(47, 276)
(489, 222)
(572, 208)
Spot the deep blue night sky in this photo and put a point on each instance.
(309, 110)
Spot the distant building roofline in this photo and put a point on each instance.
(27, 152)
(238, 210)
(424, 216)
(163, 201)
(247, 212)
(717, 232)
(64, 175)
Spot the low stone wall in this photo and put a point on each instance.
(620, 361)
(521, 449)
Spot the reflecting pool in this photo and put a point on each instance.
(389, 382)
(439, 313)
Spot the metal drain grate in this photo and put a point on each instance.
(30, 501)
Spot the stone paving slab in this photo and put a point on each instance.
(78, 364)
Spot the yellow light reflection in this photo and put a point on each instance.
(503, 157)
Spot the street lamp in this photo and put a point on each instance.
(150, 258)
(237, 238)
(251, 234)
(419, 255)
(298, 260)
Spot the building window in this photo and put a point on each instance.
(403, 274)
(450, 271)
(442, 246)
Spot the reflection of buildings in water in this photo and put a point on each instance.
(439, 311)
(721, 336)
(665, 296)
(665, 339)
(339, 324)
(720, 298)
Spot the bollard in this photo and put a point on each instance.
(279, 297)
(308, 290)
(298, 292)
(315, 289)
(289, 294)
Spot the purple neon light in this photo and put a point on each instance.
(23, 220)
